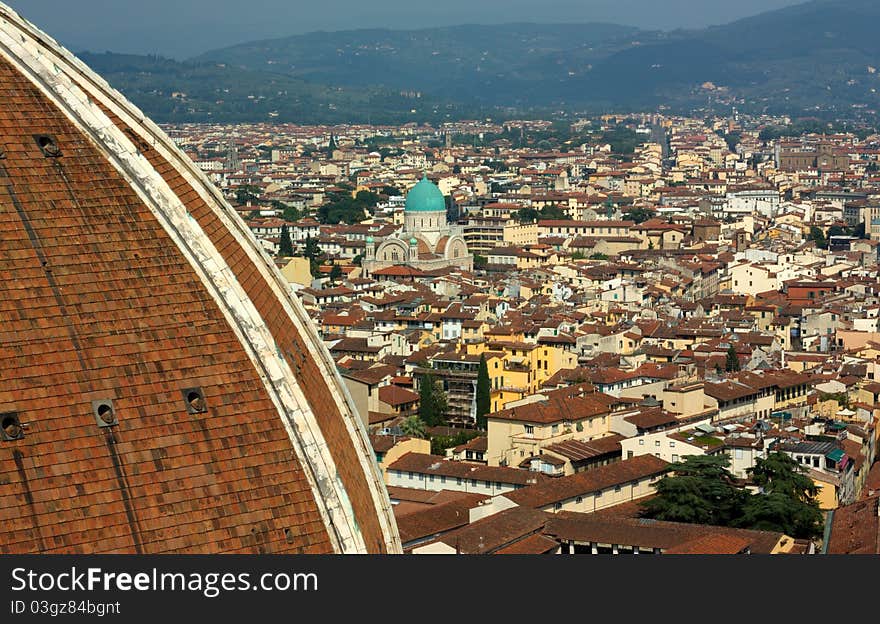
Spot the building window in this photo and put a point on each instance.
(431, 478)
(579, 500)
(616, 488)
(656, 442)
(671, 444)
(458, 480)
(674, 458)
(473, 483)
(530, 429)
(557, 506)
(410, 475)
(641, 443)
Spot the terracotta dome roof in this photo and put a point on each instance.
(161, 391)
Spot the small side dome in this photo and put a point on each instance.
(413, 241)
(370, 240)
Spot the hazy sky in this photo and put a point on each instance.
(182, 28)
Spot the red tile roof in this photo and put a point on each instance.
(554, 411)
(434, 464)
(579, 484)
(395, 395)
(855, 529)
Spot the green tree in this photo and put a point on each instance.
(439, 444)
(818, 237)
(289, 213)
(342, 207)
(836, 230)
(786, 501)
(335, 273)
(781, 474)
(483, 391)
(701, 490)
(247, 193)
(777, 512)
(639, 215)
(414, 427)
(732, 363)
(285, 246)
(367, 198)
(527, 215)
(553, 211)
(732, 140)
(432, 401)
(313, 252)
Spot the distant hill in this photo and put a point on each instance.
(496, 64)
(814, 58)
(795, 59)
(172, 91)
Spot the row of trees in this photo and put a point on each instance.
(343, 208)
(551, 211)
(701, 490)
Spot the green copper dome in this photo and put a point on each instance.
(425, 197)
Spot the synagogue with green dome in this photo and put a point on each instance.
(426, 242)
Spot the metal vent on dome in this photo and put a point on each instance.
(10, 427)
(48, 145)
(104, 413)
(195, 400)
